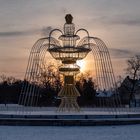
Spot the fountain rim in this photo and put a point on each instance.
(79, 49)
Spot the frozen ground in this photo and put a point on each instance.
(16, 109)
(126, 132)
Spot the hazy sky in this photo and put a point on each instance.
(22, 22)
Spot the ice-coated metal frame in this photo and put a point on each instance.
(105, 78)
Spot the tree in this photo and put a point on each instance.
(10, 80)
(124, 89)
(133, 70)
(51, 83)
(49, 86)
(87, 91)
(9, 89)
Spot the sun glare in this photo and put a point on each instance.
(81, 64)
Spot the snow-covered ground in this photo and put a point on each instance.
(16, 109)
(126, 132)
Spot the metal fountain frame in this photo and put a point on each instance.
(105, 78)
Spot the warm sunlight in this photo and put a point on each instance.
(81, 64)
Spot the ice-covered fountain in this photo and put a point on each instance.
(68, 48)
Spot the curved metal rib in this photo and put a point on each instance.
(30, 89)
(108, 70)
(104, 71)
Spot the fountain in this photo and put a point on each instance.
(67, 48)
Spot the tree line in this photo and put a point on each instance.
(10, 89)
(129, 87)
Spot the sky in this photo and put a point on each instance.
(22, 22)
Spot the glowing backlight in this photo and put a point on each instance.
(81, 64)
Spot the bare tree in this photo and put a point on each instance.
(133, 70)
(8, 79)
(50, 76)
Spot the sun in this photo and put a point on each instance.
(81, 64)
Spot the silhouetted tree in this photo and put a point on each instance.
(9, 89)
(86, 88)
(51, 83)
(133, 69)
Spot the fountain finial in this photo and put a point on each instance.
(68, 18)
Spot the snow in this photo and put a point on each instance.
(17, 109)
(126, 132)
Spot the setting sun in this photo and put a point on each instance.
(81, 64)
